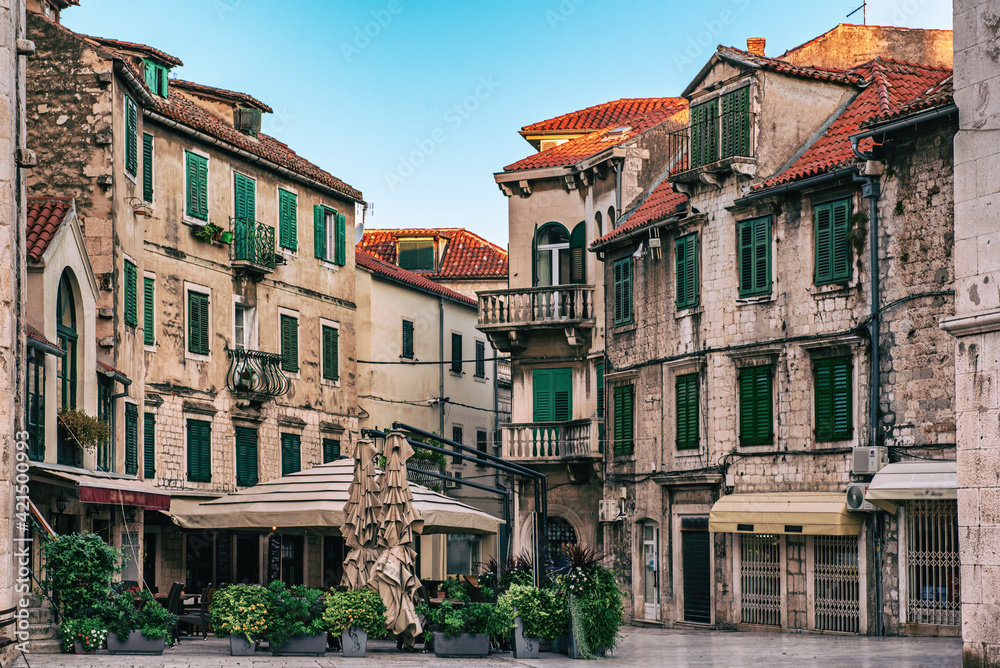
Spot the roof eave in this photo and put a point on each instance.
(628, 237)
(412, 286)
(702, 73)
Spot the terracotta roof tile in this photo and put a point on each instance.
(44, 216)
(659, 204)
(601, 115)
(775, 65)
(231, 95)
(467, 255)
(33, 334)
(580, 148)
(939, 95)
(374, 264)
(891, 85)
(146, 51)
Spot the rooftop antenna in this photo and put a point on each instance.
(864, 12)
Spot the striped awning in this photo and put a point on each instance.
(808, 513)
(915, 480)
(314, 500)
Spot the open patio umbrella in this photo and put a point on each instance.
(399, 523)
(361, 514)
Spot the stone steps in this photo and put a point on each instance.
(45, 646)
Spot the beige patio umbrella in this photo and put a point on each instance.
(361, 516)
(399, 523)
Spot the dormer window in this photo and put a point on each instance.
(415, 254)
(720, 128)
(156, 77)
(247, 120)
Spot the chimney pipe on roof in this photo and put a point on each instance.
(755, 45)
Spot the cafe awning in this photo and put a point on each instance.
(915, 480)
(109, 488)
(314, 500)
(808, 513)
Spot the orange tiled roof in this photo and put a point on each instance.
(467, 255)
(601, 115)
(147, 51)
(939, 95)
(775, 65)
(111, 370)
(891, 86)
(658, 204)
(575, 150)
(44, 215)
(34, 334)
(232, 95)
(374, 264)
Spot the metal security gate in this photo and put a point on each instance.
(836, 582)
(933, 578)
(697, 576)
(760, 579)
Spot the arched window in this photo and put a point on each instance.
(552, 262)
(598, 225)
(67, 339)
(611, 217)
(559, 533)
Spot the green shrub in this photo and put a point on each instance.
(78, 569)
(240, 610)
(90, 631)
(468, 618)
(542, 611)
(294, 612)
(121, 615)
(359, 607)
(456, 589)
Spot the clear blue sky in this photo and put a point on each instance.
(368, 90)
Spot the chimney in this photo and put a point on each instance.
(755, 45)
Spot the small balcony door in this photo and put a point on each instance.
(651, 570)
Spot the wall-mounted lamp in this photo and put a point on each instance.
(130, 513)
(61, 504)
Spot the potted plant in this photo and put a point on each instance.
(88, 431)
(464, 630)
(136, 626)
(84, 636)
(356, 615)
(295, 625)
(209, 232)
(240, 612)
(532, 614)
(594, 603)
(78, 570)
(454, 590)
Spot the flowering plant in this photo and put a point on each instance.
(90, 631)
(240, 610)
(358, 607)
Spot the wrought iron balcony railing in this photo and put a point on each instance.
(252, 248)
(256, 374)
(551, 441)
(713, 143)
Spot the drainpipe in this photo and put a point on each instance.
(441, 399)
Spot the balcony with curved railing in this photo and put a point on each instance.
(252, 247)
(254, 374)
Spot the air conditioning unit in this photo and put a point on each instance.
(609, 511)
(869, 460)
(856, 500)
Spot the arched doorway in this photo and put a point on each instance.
(559, 534)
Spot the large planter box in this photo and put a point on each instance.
(78, 648)
(314, 645)
(524, 647)
(464, 644)
(135, 643)
(354, 641)
(240, 646)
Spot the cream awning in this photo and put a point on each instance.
(809, 513)
(314, 499)
(915, 480)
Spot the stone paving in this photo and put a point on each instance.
(640, 647)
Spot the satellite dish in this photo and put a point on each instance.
(359, 231)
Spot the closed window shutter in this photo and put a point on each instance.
(687, 411)
(618, 292)
(735, 123)
(290, 453)
(341, 256)
(198, 323)
(763, 408)
(824, 250)
(147, 167)
(755, 256)
(149, 446)
(408, 339)
(457, 435)
(704, 133)
(456, 353)
(755, 406)
(577, 254)
(289, 343)
(624, 405)
(833, 401)
(687, 271)
(148, 307)
(746, 257)
(246, 456)
(623, 291)
(319, 232)
(542, 393)
(131, 298)
(562, 395)
(151, 75)
(199, 441)
(131, 136)
(331, 450)
(480, 359)
(841, 224)
(197, 186)
(131, 439)
(245, 197)
(331, 354)
(288, 220)
(600, 390)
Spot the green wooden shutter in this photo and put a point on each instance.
(131, 136)
(562, 395)
(407, 339)
(289, 343)
(199, 451)
(735, 123)
(149, 446)
(755, 406)
(456, 352)
(578, 254)
(542, 393)
(246, 456)
(198, 323)
(822, 228)
(148, 309)
(288, 219)
(687, 271)
(704, 133)
(331, 450)
(755, 256)
(319, 232)
(341, 256)
(197, 186)
(331, 353)
(600, 389)
(624, 400)
(131, 439)
(534, 257)
(147, 167)
(244, 197)
(291, 453)
(131, 296)
(833, 400)
(151, 75)
(623, 291)
(840, 244)
(687, 411)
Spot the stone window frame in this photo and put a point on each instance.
(205, 290)
(849, 346)
(762, 356)
(185, 217)
(151, 348)
(291, 313)
(674, 369)
(252, 341)
(323, 380)
(298, 196)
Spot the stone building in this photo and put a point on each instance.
(976, 324)
(225, 310)
(741, 398)
(550, 318)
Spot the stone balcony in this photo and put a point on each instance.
(551, 442)
(507, 316)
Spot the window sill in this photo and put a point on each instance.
(479, 379)
(296, 375)
(329, 383)
(624, 327)
(149, 348)
(832, 289)
(330, 264)
(198, 357)
(757, 445)
(456, 374)
(689, 311)
(193, 222)
(130, 177)
(623, 457)
(758, 299)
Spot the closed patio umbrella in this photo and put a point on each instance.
(399, 522)
(361, 513)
